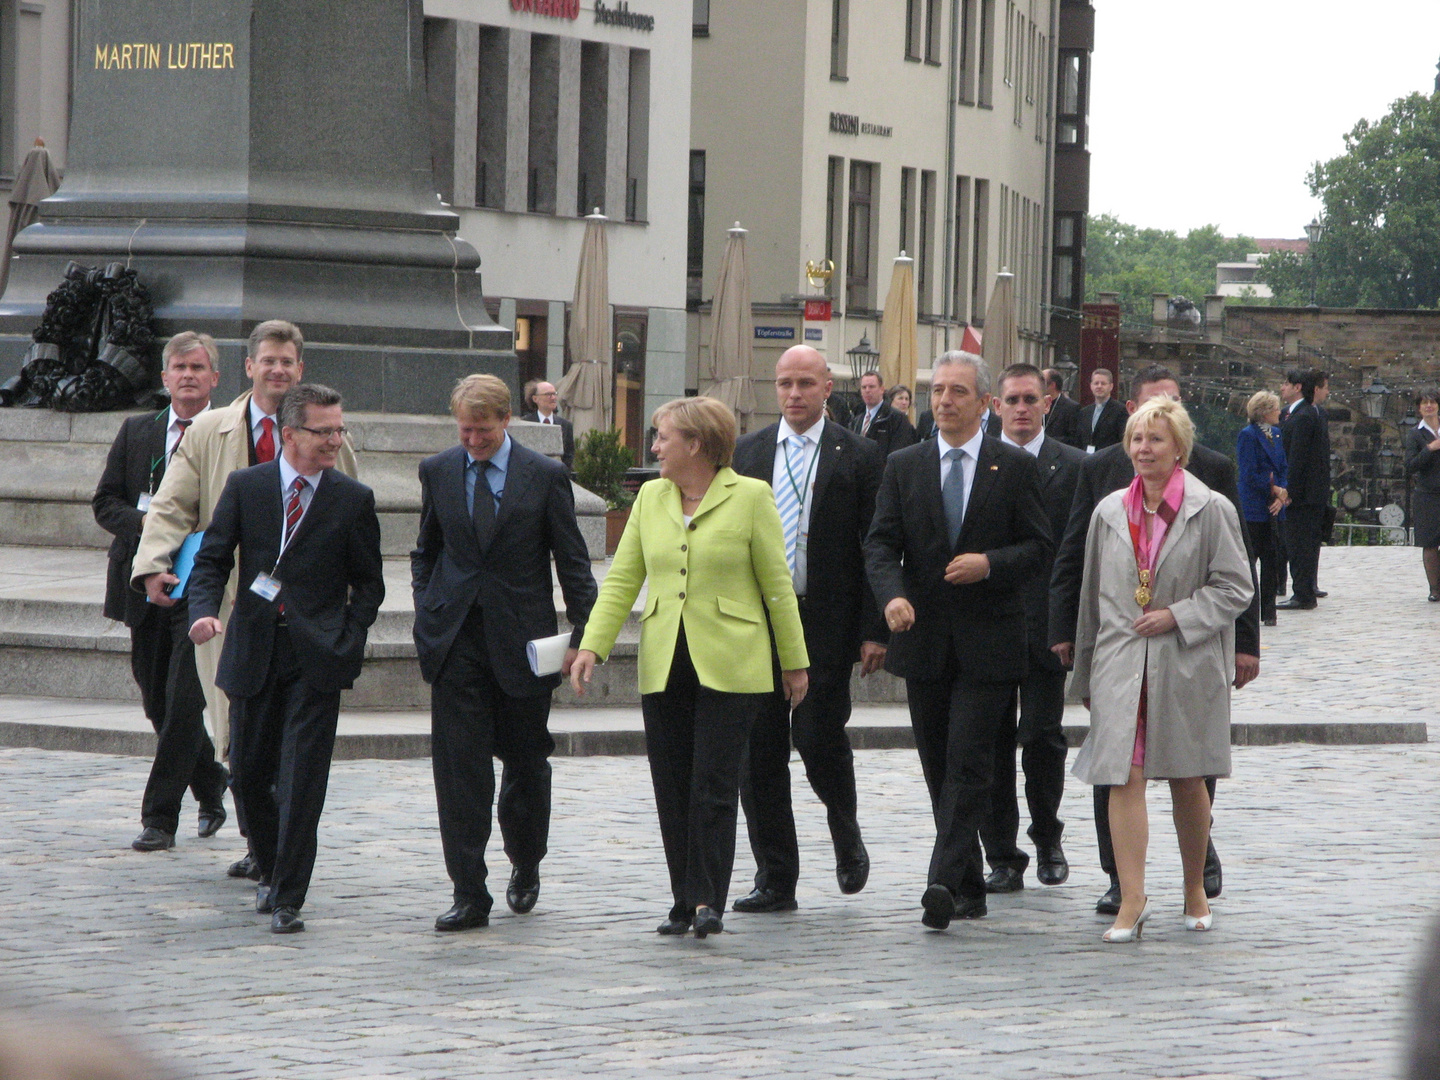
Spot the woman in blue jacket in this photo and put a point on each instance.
(1261, 464)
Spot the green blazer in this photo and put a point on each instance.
(719, 576)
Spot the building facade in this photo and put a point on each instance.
(34, 81)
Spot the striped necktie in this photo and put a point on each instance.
(294, 510)
(789, 499)
(182, 425)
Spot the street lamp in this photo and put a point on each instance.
(1313, 232)
(864, 358)
(1068, 369)
(1373, 398)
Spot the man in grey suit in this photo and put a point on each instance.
(1021, 405)
(492, 515)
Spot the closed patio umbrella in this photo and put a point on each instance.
(584, 393)
(732, 345)
(898, 349)
(36, 180)
(1002, 336)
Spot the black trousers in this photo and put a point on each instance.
(281, 742)
(1102, 826)
(957, 723)
(162, 659)
(1041, 735)
(818, 730)
(1302, 543)
(1264, 537)
(695, 738)
(1282, 556)
(472, 722)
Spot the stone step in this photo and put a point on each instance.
(50, 463)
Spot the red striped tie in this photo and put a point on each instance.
(293, 509)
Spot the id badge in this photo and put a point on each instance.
(143, 503)
(265, 586)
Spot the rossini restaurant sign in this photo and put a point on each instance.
(165, 55)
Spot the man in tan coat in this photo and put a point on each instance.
(241, 434)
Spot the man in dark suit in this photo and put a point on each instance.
(878, 421)
(959, 530)
(162, 657)
(546, 398)
(826, 477)
(310, 585)
(1101, 424)
(1103, 472)
(492, 516)
(1306, 435)
(1063, 419)
(1289, 398)
(1021, 405)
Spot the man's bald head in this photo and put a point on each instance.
(802, 384)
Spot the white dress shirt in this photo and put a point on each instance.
(804, 467)
(967, 463)
(173, 428)
(1032, 447)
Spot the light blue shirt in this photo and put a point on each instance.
(494, 476)
(967, 463)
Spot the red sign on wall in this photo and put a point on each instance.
(556, 9)
(1099, 345)
(817, 310)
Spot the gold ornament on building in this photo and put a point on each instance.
(819, 274)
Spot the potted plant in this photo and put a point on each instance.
(601, 461)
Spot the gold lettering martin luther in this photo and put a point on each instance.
(165, 56)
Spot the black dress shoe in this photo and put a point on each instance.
(1004, 879)
(970, 907)
(247, 867)
(524, 889)
(1109, 904)
(1051, 866)
(1295, 605)
(211, 818)
(939, 905)
(674, 926)
(263, 906)
(1214, 876)
(853, 871)
(764, 900)
(707, 921)
(463, 916)
(286, 920)
(1272, 621)
(1320, 594)
(153, 839)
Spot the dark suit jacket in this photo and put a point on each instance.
(1109, 431)
(1422, 463)
(1306, 437)
(1063, 421)
(982, 624)
(508, 576)
(331, 575)
(891, 429)
(136, 465)
(567, 433)
(839, 610)
(1110, 470)
(1059, 467)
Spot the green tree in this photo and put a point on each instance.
(1136, 262)
(1381, 244)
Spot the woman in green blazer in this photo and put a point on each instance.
(710, 544)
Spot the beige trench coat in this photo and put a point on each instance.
(215, 446)
(1203, 577)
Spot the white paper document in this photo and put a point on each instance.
(547, 654)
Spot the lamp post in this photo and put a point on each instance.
(1373, 398)
(1068, 370)
(864, 358)
(1313, 232)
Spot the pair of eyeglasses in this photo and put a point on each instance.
(326, 432)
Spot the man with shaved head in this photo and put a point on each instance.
(825, 478)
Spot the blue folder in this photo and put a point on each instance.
(184, 563)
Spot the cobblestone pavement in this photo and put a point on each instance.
(1332, 868)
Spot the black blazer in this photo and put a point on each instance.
(567, 433)
(981, 624)
(331, 578)
(1059, 467)
(508, 576)
(891, 429)
(136, 465)
(839, 610)
(1063, 420)
(1306, 435)
(1421, 462)
(1109, 431)
(1110, 470)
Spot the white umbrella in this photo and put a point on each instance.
(36, 180)
(732, 334)
(584, 392)
(1002, 335)
(898, 350)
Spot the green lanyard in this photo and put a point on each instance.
(800, 488)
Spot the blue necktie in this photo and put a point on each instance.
(789, 501)
(952, 493)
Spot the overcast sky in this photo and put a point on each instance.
(1213, 113)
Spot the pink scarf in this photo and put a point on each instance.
(1148, 550)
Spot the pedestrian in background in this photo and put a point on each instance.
(1165, 577)
(1422, 462)
(900, 398)
(710, 543)
(1260, 454)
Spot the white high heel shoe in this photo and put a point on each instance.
(1117, 936)
(1200, 922)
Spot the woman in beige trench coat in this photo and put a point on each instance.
(1165, 577)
